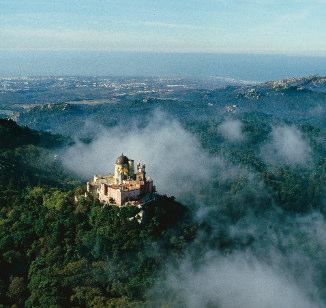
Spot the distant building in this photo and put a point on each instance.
(125, 186)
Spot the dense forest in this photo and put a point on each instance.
(56, 252)
(249, 195)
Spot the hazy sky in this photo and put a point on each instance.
(268, 26)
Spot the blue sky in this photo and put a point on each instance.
(208, 26)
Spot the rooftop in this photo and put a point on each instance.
(122, 159)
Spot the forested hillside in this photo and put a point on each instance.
(55, 252)
(249, 209)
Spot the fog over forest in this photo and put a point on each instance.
(223, 104)
(278, 258)
(239, 219)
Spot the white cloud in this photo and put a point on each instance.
(235, 281)
(173, 157)
(287, 146)
(232, 130)
(282, 267)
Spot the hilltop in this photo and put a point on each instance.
(27, 157)
(313, 83)
(245, 162)
(301, 99)
(46, 236)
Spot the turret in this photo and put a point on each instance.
(131, 168)
(141, 173)
(127, 185)
(124, 169)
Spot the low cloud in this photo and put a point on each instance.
(174, 158)
(281, 263)
(232, 130)
(232, 281)
(281, 268)
(287, 146)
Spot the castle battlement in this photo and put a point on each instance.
(124, 186)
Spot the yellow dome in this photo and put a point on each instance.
(122, 160)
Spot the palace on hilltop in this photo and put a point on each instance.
(123, 187)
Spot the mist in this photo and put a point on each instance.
(282, 267)
(287, 146)
(276, 259)
(231, 130)
(234, 281)
(174, 158)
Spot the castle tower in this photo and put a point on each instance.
(121, 169)
(141, 173)
(125, 186)
(131, 168)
